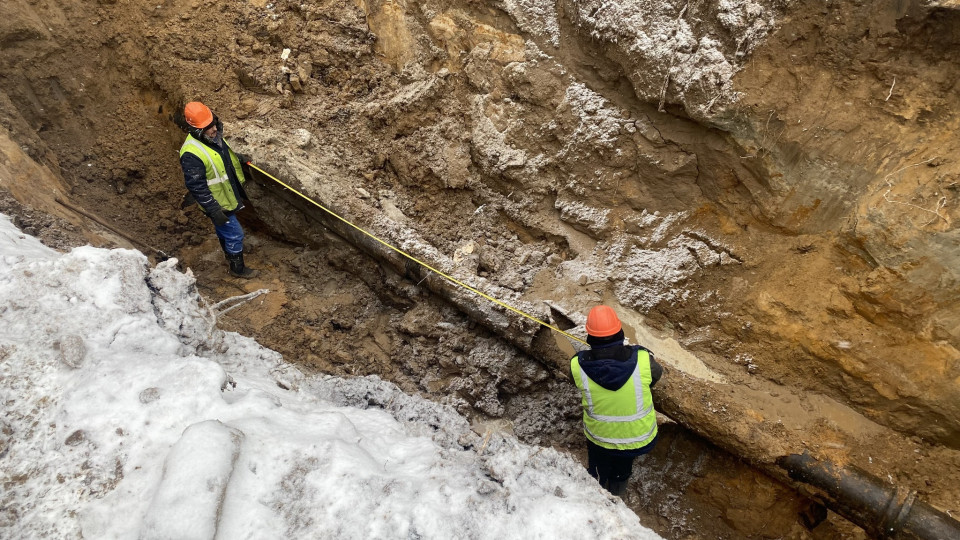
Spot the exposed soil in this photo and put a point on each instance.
(759, 209)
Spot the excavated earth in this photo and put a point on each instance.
(765, 190)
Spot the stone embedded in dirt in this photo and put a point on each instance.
(148, 395)
(490, 259)
(302, 138)
(296, 84)
(72, 350)
(467, 259)
(76, 438)
(390, 210)
(6, 433)
(513, 281)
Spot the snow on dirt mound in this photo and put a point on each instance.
(679, 52)
(128, 414)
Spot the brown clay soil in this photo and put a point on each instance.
(783, 239)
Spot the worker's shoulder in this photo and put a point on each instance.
(190, 158)
(641, 348)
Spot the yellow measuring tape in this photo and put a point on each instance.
(418, 261)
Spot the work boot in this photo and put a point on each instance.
(618, 488)
(237, 268)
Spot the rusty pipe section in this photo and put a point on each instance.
(883, 510)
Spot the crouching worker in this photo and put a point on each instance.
(214, 177)
(618, 417)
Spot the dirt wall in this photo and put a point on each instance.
(802, 225)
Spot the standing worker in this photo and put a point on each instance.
(212, 173)
(618, 417)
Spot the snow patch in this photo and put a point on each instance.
(677, 46)
(169, 427)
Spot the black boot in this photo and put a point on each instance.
(618, 488)
(237, 268)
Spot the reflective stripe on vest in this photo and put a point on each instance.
(629, 441)
(618, 431)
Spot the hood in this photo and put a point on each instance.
(609, 367)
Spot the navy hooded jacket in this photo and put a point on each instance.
(612, 364)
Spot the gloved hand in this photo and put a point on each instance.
(187, 201)
(245, 169)
(218, 217)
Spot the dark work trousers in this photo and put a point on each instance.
(607, 466)
(230, 234)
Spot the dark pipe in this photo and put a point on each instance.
(883, 510)
(157, 253)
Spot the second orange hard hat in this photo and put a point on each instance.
(198, 115)
(602, 321)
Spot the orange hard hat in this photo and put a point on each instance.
(197, 114)
(602, 321)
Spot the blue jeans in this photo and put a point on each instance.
(232, 235)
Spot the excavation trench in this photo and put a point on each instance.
(763, 191)
(678, 489)
(878, 507)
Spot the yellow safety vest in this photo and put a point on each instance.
(622, 419)
(217, 179)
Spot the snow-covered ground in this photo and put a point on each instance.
(128, 414)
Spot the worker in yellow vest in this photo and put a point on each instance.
(618, 417)
(214, 177)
